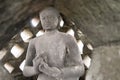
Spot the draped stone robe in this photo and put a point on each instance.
(61, 51)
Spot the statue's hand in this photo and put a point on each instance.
(55, 72)
(37, 61)
(50, 71)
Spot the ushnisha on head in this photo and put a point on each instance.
(50, 18)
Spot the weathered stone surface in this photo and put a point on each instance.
(15, 14)
(4, 75)
(98, 19)
(105, 63)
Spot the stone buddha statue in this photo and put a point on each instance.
(53, 55)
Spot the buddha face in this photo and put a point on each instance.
(49, 19)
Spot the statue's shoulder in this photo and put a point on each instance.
(34, 40)
(65, 36)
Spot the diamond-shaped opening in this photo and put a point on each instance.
(2, 53)
(35, 22)
(9, 67)
(61, 23)
(87, 61)
(17, 51)
(71, 32)
(90, 46)
(80, 46)
(39, 33)
(26, 35)
(22, 65)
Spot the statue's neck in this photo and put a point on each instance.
(51, 31)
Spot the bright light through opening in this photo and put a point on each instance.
(26, 35)
(71, 32)
(17, 51)
(35, 22)
(39, 33)
(61, 23)
(90, 46)
(2, 53)
(80, 46)
(9, 67)
(87, 61)
(22, 65)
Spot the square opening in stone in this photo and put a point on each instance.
(17, 51)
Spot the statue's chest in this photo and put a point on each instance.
(55, 50)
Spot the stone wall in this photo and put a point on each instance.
(105, 63)
(99, 20)
(4, 75)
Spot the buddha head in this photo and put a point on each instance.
(50, 18)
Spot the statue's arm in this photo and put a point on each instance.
(29, 70)
(76, 67)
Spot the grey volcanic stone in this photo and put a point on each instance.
(4, 75)
(105, 63)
